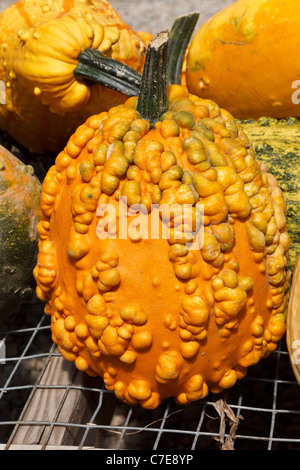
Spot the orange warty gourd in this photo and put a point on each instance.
(155, 317)
(247, 57)
(40, 42)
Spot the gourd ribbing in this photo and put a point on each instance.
(39, 49)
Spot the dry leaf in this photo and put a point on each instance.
(224, 411)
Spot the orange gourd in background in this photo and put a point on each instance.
(247, 58)
(152, 316)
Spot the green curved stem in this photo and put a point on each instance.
(97, 68)
(180, 36)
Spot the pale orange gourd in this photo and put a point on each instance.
(247, 57)
(153, 316)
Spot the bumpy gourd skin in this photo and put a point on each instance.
(240, 58)
(39, 45)
(155, 318)
(277, 144)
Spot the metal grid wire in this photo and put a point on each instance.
(261, 412)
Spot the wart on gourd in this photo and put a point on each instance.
(154, 318)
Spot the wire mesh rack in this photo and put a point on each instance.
(45, 403)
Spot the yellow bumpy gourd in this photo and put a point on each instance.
(40, 42)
